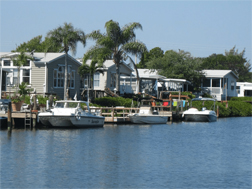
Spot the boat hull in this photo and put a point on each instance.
(199, 118)
(72, 121)
(150, 119)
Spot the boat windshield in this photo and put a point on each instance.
(59, 105)
(66, 105)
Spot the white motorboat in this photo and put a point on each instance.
(194, 115)
(68, 113)
(147, 116)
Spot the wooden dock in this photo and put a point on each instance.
(112, 115)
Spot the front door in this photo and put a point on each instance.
(3, 81)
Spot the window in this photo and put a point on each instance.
(96, 79)
(206, 83)
(9, 79)
(7, 63)
(113, 80)
(232, 85)
(15, 77)
(215, 82)
(58, 77)
(238, 89)
(26, 76)
(27, 63)
(71, 79)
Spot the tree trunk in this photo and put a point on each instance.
(65, 82)
(117, 79)
(138, 80)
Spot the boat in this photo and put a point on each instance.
(146, 115)
(69, 113)
(194, 115)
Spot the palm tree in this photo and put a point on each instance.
(137, 73)
(91, 69)
(115, 43)
(67, 37)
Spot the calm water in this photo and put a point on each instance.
(177, 155)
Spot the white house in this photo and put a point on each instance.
(244, 89)
(221, 84)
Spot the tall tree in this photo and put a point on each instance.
(178, 65)
(66, 37)
(154, 53)
(115, 43)
(38, 45)
(232, 60)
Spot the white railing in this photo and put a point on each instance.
(214, 90)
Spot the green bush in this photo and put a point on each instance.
(239, 108)
(41, 99)
(241, 99)
(27, 100)
(112, 101)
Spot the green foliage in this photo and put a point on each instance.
(154, 53)
(235, 108)
(246, 98)
(66, 37)
(41, 99)
(112, 101)
(23, 90)
(36, 44)
(239, 108)
(115, 44)
(232, 60)
(178, 65)
(223, 111)
(16, 99)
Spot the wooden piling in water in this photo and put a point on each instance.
(9, 117)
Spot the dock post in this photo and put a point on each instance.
(9, 117)
(217, 111)
(112, 112)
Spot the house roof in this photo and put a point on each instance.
(47, 57)
(149, 74)
(108, 63)
(38, 57)
(218, 73)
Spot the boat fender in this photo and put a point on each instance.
(78, 115)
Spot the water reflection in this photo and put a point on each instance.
(178, 155)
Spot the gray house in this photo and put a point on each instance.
(45, 74)
(107, 79)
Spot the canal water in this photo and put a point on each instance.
(175, 155)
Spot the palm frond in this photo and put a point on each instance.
(134, 48)
(128, 31)
(66, 37)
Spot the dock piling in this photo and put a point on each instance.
(9, 117)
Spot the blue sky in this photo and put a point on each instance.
(199, 27)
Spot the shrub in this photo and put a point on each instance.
(112, 101)
(239, 108)
(241, 98)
